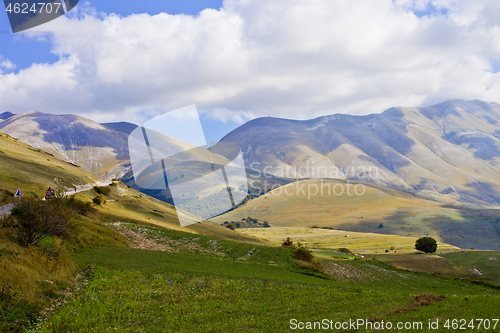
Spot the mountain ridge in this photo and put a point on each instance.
(448, 151)
(72, 138)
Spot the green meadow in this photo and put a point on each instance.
(220, 285)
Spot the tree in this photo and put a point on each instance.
(426, 244)
(287, 242)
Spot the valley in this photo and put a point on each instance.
(127, 264)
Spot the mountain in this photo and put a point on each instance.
(34, 170)
(6, 115)
(123, 127)
(74, 139)
(449, 151)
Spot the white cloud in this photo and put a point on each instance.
(6, 65)
(295, 59)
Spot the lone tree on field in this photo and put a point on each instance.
(426, 244)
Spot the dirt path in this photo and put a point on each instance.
(86, 187)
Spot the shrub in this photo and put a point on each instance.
(99, 199)
(102, 190)
(303, 254)
(426, 244)
(313, 266)
(287, 242)
(80, 207)
(33, 219)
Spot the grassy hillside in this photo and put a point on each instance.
(126, 204)
(325, 242)
(34, 170)
(251, 287)
(302, 204)
(484, 265)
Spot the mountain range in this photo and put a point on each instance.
(448, 152)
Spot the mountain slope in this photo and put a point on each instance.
(72, 138)
(34, 170)
(335, 204)
(123, 127)
(449, 151)
(6, 115)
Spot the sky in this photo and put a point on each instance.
(241, 59)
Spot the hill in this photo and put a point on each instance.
(240, 287)
(74, 139)
(379, 210)
(449, 151)
(5, 115)
(34, 170)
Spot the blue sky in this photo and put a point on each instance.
(238, 60)
(23, 52)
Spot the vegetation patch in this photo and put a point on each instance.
(247, 222)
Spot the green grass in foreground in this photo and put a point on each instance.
(486, 262)
(135, 290)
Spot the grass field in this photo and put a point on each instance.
(423, 262)
(134, 290)
(486, 262)
(304, 204)
(321, 241)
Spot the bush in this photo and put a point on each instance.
(287, 242)
(102, 190)
(426, 244)
(80, 207)
(99, 199)
(303, 254)
(33, 219)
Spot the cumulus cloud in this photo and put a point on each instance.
(296, 59)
